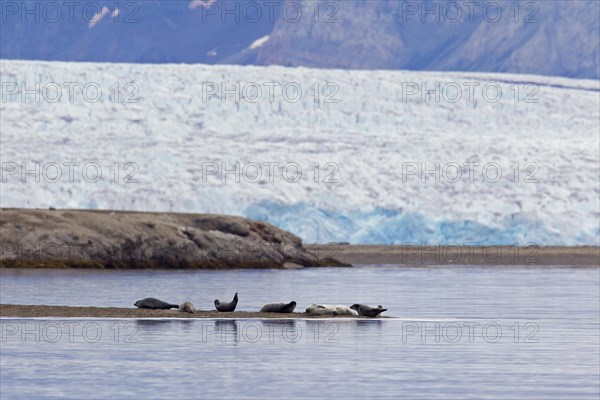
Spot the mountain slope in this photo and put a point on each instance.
(546, 38)
(149, 31)
(555, 38)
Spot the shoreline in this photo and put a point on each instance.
(408, 255)
(418, 255)
(40, 311)
(414, 256)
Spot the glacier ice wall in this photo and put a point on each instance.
(341, 156)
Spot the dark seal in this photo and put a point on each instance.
(154, 304)
(367, 311)
(279, 307)
(227, 307)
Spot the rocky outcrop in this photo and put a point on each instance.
(119, 239)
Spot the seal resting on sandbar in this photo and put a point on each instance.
(366, 311)
(322, 309)
(154, 304)
(319, 309)
(227, 307)
(344, 310)
(279, 307)
(187, 307)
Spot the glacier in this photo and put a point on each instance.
(338, 156)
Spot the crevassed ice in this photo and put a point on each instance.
(362, 145)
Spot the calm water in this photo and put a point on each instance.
(461, 332)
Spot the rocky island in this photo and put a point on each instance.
(34, 238)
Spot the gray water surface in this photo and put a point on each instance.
(459, 332)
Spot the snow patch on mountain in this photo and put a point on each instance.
(259, 42)
(201, 3)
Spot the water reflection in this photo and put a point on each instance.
(367, 322)
(152, 324)
(282, 330)
(227, 330)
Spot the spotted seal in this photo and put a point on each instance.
(366, 311)
(322, 309)
(187, 307)
(319, 309)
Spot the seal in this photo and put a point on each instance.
(227, 307)
(187, 307)
(344, 310)
(319, 309)
(322, 309)
(154, 304)
(279, 307)
(366, 311)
